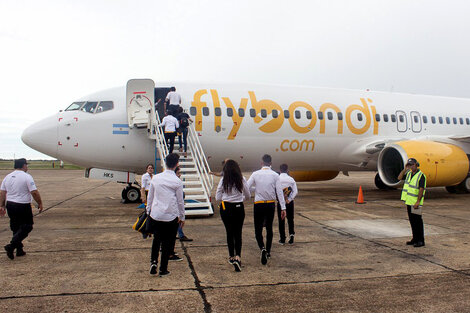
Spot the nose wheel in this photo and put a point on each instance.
(131, 194)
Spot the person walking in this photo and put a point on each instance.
(146, 179)
(267, 187)
(165, 206)
(289, 188)
(183, 120)
(174, 101)
(16, 191)
(232, 190)
(170, 124)
(413, 195)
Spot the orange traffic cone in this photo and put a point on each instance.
(360, 196)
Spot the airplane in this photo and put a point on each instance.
(318, 132)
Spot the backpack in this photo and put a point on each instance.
(184, 122)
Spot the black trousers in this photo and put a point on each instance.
(264, 216)
(233, 217)
(282, 222)
(21, 222)
(417, 227)
(170, 140)
(164, 236)
(183, 138)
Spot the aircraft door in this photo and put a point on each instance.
(416, 125)
(402, 123)
(140, 102)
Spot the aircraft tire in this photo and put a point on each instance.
(464, 186)
(131, 194)
(451, 189)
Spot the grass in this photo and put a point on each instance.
(40, 165)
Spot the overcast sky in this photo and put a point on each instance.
(53, 52)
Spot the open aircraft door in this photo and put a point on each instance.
(140, 102)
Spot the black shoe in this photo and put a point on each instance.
(9, 249)
(175, 257)
(264, 257)
(268, 255)
(282, 242)
(231, 260)
(153, 268)
(237, 265)
(410, 243)
(418, 244)
(184, 238)
(291, 239)
(163, 273)
(20, 252)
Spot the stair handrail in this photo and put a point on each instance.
(200, 159)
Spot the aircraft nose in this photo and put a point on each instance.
(42, 136)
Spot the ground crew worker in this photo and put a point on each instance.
(289, 188)
(16, 190)
(267, 187)
(170, 124)
(413, 195)
(146, 179)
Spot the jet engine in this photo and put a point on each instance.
(444, 164)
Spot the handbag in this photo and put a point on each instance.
(142, 224)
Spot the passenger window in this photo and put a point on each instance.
(425, 119)
(217, 111)
(309, 115)
(320, 115)
(252, 112)
(340, 116)
(393, 117)
(297, 114)
(329, 115)
(274, 113)
(104, 106)
(359, 117)
(241, 112)
(377, 117)
(385, 118)
(415, 118)
(461, 121)
(447, 120)
(433, 119)
(192, 111)
(454, 120)
(229, 112)
(467, 120)
(89, 107)
(264, 114)
(75, 106)
(441, 120)
(205, 111)
(401, 118)
(286, 113)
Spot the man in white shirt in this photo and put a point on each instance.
(267, 189)
(165, 206)
(174, 101)
(289, 188)
(146, 179)
(15, 197)
(170, 124)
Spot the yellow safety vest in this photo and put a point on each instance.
(410, 190)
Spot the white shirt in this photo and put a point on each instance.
(267, 186)
(233, 195)
(173, 97)
(18, 186)
(170, 123)
(146, 179)
(165, 199)
(287, 181)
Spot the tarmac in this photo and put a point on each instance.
(83, 255)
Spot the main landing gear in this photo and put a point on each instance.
(131, 194)
(463, 187)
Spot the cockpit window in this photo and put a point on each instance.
(104, 106)
(75, 106)
(89, 107)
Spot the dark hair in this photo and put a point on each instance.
(171, 160)
(283, 168)
(177, 169)
(267, 159)
(232, 176)
(180, 109)
(150, 164)
(19, 163)
(172, 89)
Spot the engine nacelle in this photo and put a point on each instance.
(313, 175)
(443, 164)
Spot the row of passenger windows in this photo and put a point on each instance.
(91, 106)
(329, 115)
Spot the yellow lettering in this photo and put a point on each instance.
(236, 119)
(198, 104)
(323, 109)
(292, 122)
(365, 110)
(216, 102)
(282, 145)
(374, 112)
(296, 145)
(269, 105)
(307, 144)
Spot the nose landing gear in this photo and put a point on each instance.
(131, 194)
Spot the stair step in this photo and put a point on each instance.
(195, 197)
(189, 176)
(197, 204)
(187, 163)
(188, 169)
(191, 182)
(193, 189)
